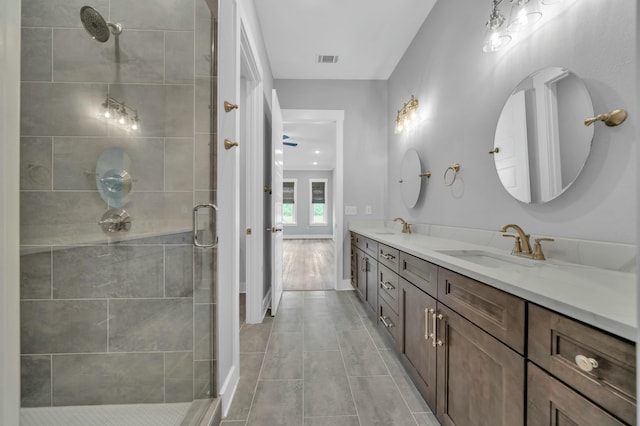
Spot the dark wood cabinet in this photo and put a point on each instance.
(479, 379)
(551, 403)
(415, 345)
(371, 285)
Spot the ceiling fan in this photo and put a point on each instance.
(288, 143)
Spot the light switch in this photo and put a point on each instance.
(368, 210)
(350, 210)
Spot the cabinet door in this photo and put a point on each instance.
(372, 282)
(361, 282)
(480, 380)
(416, 350)
(354, 266)
(551, 403)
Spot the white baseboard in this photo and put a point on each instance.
(344, 285)
(228, 390)
(266, 302)
(308, 237)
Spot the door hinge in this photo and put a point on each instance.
(248, 231)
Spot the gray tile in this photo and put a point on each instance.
(205, 150)
(170, 238)
(178, 268)
(75, 158)
(320, 336)
(379, 403)
(75, 221)
(360, 308)
(405, 385)
(287, 320)
(233, 423)
(61, 109)
(206, 9)
(426, 419)
(35, 163)
(204, 87)
(136, 57)
(57, 13)
(204, 329)
(178, 369)
(35, 54)
(378, 335)
(254, 337)
(250, 364)
(204, 380)
(154, 14)
(108, 379)
(51, 326)
(283, 359)
(204, 264)
(204, 47)
(332, 421)
(277, 403)
(150, 325)
(107, 272)
(347, 321)
(178, 164)
(163, 110)
(35, 381)
(326, 388)
(35, 274)
(361, 358)
(178, 53)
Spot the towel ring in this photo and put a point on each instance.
(455, 168)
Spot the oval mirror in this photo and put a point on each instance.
(112, 178)
(541, 143)
(410, 180)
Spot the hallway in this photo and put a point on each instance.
(308, 264)
(322, 362)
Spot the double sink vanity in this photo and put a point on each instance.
(489, 337)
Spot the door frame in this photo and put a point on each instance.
(9, 212)
(254, 146)
(339, 231)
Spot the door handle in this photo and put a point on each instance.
(229, 144)
(436, 317)
(195, 225)
(228, 106)
(273, 229)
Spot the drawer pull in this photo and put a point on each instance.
(426, 324)
(388, 256)
(586, 364)
(386, 285)
(384, 321)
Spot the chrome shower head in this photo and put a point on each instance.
(96, 26)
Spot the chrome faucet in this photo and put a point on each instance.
(406, 227)
(522, 246)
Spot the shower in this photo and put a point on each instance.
(96, 26)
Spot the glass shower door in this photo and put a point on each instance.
(117, 146)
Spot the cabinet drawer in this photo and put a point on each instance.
(388, 286)
(549, 403)
(371, 248)
(389, 257)
(420, 273)
(388, 318)
(554, 343)
(498, 313)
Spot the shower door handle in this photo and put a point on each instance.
(195, 225)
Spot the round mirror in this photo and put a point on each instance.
(541, 142)
(410, 179)
(112, 179)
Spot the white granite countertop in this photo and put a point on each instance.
(603, 298)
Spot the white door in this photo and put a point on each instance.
(276, 202)
(228, 224)
(512, 162)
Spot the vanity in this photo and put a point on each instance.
(487, 335)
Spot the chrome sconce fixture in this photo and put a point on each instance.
(407, 116)
(500, 31)
(118, 114)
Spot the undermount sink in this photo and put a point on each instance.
(489, 259)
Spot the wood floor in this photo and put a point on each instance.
(308, 265)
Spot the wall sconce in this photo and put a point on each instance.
(407, 116)
(523, 15)
(118, 114)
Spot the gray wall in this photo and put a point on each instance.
(303, 228)
(461, 92)
(127, 318)
(366, 129)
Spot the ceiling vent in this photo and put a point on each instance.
(327, 59)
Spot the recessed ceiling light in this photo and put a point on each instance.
(316, 152)
(315, 163)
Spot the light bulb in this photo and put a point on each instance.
(524, 15)
(107, 114)
(495, 41)
(134, 126)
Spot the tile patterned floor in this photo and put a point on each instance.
(322, 362)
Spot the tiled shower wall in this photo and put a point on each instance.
(127, 318)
